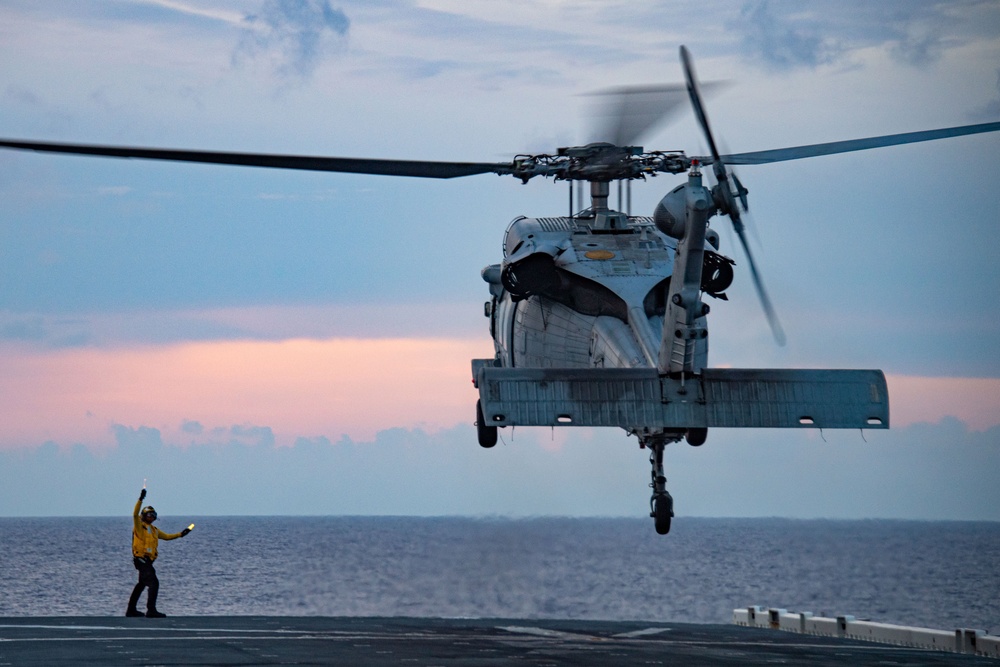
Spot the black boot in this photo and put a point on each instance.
(152, 613)
(133, 600)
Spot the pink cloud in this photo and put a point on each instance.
(311, 388)
(975, 401)
(298, 388)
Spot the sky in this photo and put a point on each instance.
(253, 341)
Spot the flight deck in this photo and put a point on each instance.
(263, 640)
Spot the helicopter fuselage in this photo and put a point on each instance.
(588, 291)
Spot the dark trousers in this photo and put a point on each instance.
(147, 579)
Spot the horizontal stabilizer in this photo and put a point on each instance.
(633, 398)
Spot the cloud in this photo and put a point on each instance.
(192, 427)
(297, 388)
(920, 47)
(991, 111)
(303, 388)
(18, 94)
(273, 322)
(188, 10)
(31, 328)
(786, 35)
(916, 400)
(781, 42)
(292, 33)
(139, 438)
(934, 471)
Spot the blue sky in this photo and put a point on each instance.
(882, 259)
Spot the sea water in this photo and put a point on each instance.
(932, 574)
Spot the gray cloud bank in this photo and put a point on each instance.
(784, 34)
(925, 471)
(292, 32)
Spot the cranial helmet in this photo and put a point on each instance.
(148, 509)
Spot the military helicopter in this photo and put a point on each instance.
(599, 317)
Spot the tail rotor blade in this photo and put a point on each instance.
(741, 192)
(699, 108)
(726, 197)
(765, 301)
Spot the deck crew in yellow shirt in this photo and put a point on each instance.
(145, 537)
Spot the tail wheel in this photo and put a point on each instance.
(696, 436)
(487, 434)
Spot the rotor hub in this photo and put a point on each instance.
(598, 162)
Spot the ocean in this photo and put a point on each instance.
(933, 574)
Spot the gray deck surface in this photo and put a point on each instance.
(255, 640)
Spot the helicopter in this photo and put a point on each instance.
(600, 317)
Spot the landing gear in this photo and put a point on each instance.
(487, 434)
(696, 437)
(663, 512)
(661, 505)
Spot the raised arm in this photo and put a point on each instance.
(135, 512)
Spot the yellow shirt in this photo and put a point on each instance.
(145, 536)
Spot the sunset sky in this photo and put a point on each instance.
(206, 312)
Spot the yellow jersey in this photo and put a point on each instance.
(145, 536)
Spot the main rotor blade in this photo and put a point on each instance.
(815, 150)
(627, 113)
(309, 163)
(765, 301)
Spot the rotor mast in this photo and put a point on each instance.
(599, 191)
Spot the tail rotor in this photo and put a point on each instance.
(729, 194)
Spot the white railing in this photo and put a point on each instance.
(962, 640)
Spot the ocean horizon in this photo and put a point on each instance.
(942, 574)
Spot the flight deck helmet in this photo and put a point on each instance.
(149, 513)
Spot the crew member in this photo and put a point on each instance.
(145, 537)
